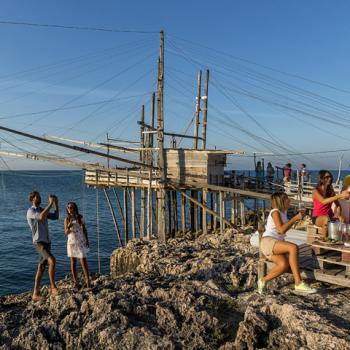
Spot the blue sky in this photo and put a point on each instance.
(251, 107)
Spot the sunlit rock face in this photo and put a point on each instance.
(186, 294)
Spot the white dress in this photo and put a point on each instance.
(76, 244)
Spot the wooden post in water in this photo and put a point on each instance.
(200, 211)
(133, 212)
(212, 208)
(168, 197)
(224, 208)
(215, 209)
(221, 200)
(195, 216)
(126, 216)
(149, 206)
(192, 227)
(242, 209)
(183, 214)
(175, 216)
(143, 210)
(233, 218)
(204, 217)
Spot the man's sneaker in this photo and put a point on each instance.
(304, 288)
(261, 285)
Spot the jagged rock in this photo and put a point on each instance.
(186, 294)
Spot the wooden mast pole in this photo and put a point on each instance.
(150, 161)
(143, 159)
(198, 109)
(194, 193)
(205, 110)
(160, 135)
(204, 145)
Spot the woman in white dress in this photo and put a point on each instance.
(77, 243)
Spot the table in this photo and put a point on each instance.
(330, 263)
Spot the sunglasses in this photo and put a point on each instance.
(327, 177)
(70, 206)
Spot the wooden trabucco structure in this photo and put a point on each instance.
(171, 185)
(168, 189)
(191, 175)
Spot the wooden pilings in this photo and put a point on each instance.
(180, 208)
(114, 217)
(126, 216)
(183, 215)
(204, 212)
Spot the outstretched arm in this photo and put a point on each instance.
(316, 195)
(43, 215)
(281, 227)
(57, 210)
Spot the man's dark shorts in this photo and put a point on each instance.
(44, 250)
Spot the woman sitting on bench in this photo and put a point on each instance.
(323, 196)
(276, 249)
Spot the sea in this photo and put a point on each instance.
(18, 257)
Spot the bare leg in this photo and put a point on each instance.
(39, 273)
(322, 222)
(73, 267)
(85, 267)
(282, 247)
(281, 266)
(52, 269)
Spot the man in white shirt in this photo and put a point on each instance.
(37, 219)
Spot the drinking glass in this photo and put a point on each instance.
(342, 229)
(302, 208)
(345, 235)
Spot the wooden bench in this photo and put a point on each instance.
(324, 263)
(305, 255)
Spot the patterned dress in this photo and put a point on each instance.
(76, 244)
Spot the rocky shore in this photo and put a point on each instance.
(189, 294)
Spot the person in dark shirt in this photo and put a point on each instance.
(37, 219)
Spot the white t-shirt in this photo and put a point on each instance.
(270, 229)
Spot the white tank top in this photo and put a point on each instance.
(270, 229)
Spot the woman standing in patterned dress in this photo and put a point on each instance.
(77, 243)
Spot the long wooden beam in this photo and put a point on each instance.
(75, 148)
(113, 217)
(68, 162)
(228, 223)
(168, 133)
(89, 144)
